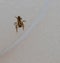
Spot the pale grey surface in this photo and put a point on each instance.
(43, 44)
(27, 9)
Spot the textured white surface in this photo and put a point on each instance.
(43, 43)
(27, 9)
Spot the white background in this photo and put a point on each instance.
(27, 9)
(43, 43)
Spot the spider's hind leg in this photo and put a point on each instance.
(23, 26)
(16, 26)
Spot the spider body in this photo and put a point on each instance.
(19, 23)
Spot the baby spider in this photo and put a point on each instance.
(19, 23)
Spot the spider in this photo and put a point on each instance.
(19, 23)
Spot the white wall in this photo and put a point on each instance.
(43, 43)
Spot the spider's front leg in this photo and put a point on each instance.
(15, 17)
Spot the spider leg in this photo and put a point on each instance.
(24, 21)
(16, 28)
(15, 17)
(23, 26)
